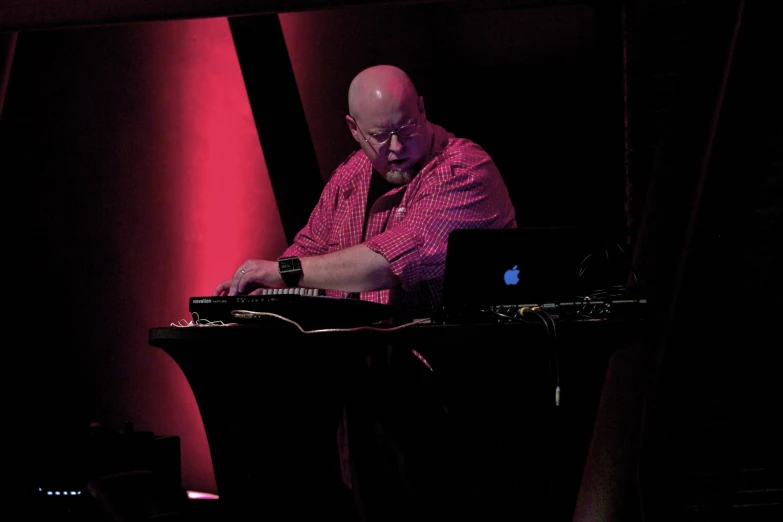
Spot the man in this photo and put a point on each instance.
(380, 230)
(381, 225)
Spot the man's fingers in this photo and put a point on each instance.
(222, 288)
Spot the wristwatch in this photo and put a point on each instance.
(290, 270)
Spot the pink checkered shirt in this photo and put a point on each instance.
(458, 187)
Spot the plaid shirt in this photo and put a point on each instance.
(458, 187)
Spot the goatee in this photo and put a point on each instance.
(398, 177)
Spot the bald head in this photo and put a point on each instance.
(381, 88)
(388, 121)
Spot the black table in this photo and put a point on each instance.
(270, 395)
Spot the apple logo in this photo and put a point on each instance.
(511, 277)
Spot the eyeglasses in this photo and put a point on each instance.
(379, 139)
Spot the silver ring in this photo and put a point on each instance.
(242, 271)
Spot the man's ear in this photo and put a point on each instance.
(421, 107)
(353, 128)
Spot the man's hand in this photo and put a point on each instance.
(251, 278)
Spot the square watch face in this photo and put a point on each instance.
(288, 264)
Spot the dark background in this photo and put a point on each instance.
(656, 123)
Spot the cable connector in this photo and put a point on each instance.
(557, 395)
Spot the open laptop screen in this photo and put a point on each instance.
(519, 266)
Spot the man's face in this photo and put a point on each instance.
(396, 138)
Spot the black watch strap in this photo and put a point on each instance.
(290, 270)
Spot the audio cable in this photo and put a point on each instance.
(551, 329)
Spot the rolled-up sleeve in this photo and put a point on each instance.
(401, 247)
(464, 192)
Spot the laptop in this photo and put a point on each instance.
(510, 267)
